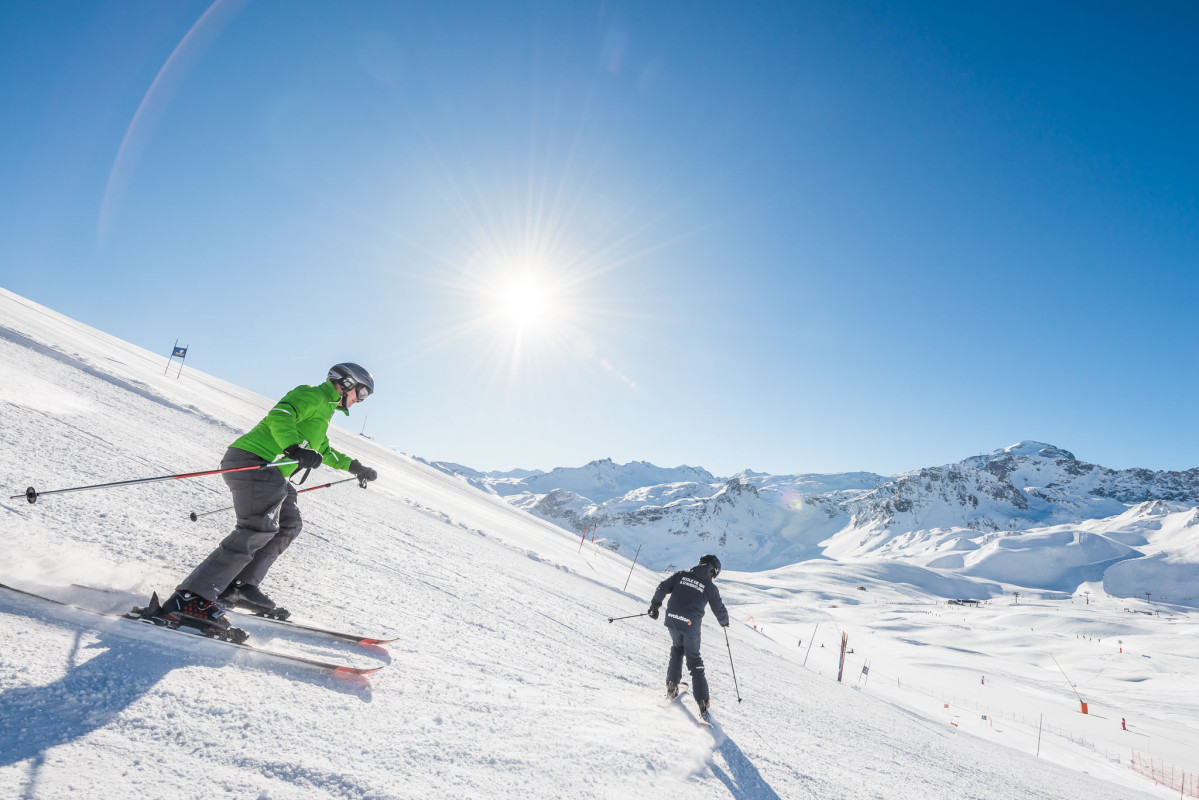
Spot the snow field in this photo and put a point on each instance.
(507, 680)
(999, 660)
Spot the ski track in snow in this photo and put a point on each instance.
(507, 681)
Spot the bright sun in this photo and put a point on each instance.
(524, 302)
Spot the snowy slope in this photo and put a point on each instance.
(506, 681)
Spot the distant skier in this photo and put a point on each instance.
(690, 591)
(268, 518)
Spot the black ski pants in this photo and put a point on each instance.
(685, 642)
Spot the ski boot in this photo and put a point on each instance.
(672, 690)
(703, 709)
(251, 598)
(190, 610)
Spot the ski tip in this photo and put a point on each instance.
(373, 642)
(354, 672)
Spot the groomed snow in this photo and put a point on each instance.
(507, 680)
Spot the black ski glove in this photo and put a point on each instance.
(361, 471)
(653, 611)
(305, 458)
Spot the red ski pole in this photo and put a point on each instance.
(32, 494)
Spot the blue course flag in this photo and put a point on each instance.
(180, 352)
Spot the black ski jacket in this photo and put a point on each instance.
(690, 591)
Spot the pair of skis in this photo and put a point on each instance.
(135, 615)
(668, 701)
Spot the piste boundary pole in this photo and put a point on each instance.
(31, 494)
(626, 580)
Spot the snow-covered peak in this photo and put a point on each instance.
(1031, 449)
(599, 481)
(1026, 452)
(467, 472)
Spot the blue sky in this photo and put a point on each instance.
(792, 237)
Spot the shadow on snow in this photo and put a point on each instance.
(743, 780)
(92, 693)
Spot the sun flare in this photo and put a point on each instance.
(525, 285)
(524, 303)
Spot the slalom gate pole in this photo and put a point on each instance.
(734, 669)
(626, 580)
(32, 494)
(194, 516)
(810, 643)
(630, 616)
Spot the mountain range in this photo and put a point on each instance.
(1031, 514)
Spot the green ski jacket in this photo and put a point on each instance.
(301, 417)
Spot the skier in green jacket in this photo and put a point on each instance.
(268, 518)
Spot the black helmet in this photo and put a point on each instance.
(713, 564)
(348, 375)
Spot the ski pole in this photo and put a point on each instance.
(194, 516)
(630, 616)
(734, 669)
(32, 494)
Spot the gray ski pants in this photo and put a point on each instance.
(685, 642)
(267, 521)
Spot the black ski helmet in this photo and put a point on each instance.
(713, 564)
(349, 375)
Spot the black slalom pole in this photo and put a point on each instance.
(630, 616)
(194, 516)
(32, 494)
(626, 580)
(734, 669)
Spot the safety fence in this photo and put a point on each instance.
(1178, 780)
(1032, 721)
(1185, 783)
(1167, 775)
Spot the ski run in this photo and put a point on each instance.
(504, 678)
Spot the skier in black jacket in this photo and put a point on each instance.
(690, 591)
